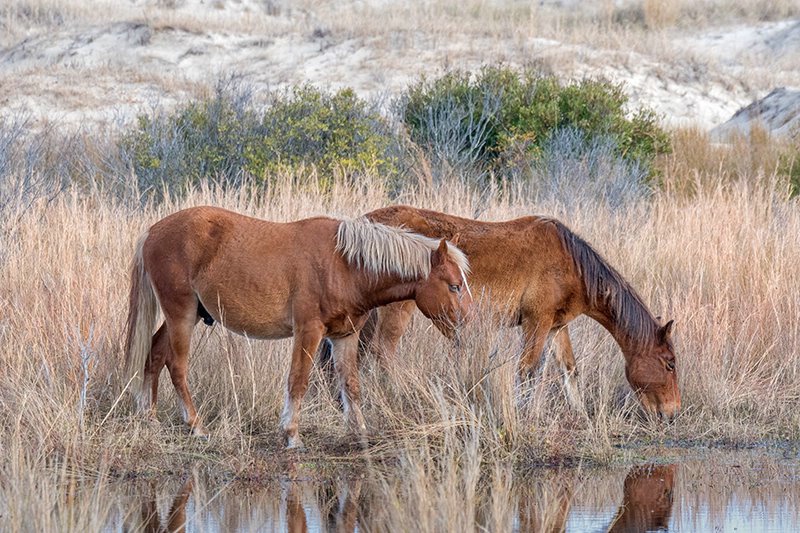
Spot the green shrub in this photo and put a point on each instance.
(330, 131)
(206, 137)
(454, 117)
(227, 135)
(789, 166)
(499, 114)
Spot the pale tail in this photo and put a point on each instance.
(142, 316)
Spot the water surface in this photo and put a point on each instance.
(712, 491)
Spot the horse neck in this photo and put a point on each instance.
(383, 289)
(632, 332)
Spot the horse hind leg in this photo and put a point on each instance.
(180, 334)
(345, 357)
(159, 353)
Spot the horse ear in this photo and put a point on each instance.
(665, 331)
(454, 240)
(439, 255)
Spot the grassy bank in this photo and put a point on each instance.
(721, 262)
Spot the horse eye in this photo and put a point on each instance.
(671, 365)
(455, 288)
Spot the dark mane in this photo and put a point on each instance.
(607, 289)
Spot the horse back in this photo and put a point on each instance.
(203, 235)
(249, 274)
(520, 263)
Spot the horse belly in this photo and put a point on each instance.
(256, 319)
(263, 330)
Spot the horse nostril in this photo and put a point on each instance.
(668, 414)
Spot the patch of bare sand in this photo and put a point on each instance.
(778, 112)
(110, 72)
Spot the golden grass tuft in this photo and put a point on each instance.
(659, 15)
(699, 164)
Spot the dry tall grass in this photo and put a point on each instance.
(696, 163)
(721, 261)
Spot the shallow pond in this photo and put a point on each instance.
(705, 491)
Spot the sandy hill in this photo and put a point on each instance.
(778, 112)
(97, 62)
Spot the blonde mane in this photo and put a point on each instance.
(382, 249)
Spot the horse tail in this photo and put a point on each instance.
(142, 315)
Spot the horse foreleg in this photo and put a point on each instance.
(306, 343)
(345, 360)
(180, 334)
(393, 320)
(367, 334)
(566, 360)
(535, 336)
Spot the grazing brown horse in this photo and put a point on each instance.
(308, 279)
(540, 275)
(546, 509)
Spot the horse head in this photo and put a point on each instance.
(652, 373)
(444, 296)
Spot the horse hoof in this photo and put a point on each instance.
(294, 443)
(359, 441)
(200, 432)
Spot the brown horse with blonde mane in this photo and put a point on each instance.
(308, 279)
(540, 275)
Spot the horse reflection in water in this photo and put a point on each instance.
(646, 503)
(340, 506)
(340, 499)
(647, 500)
(153, 522)
(546, 510)
(342, 515)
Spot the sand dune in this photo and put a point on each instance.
(778, 112)
(85, 71)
